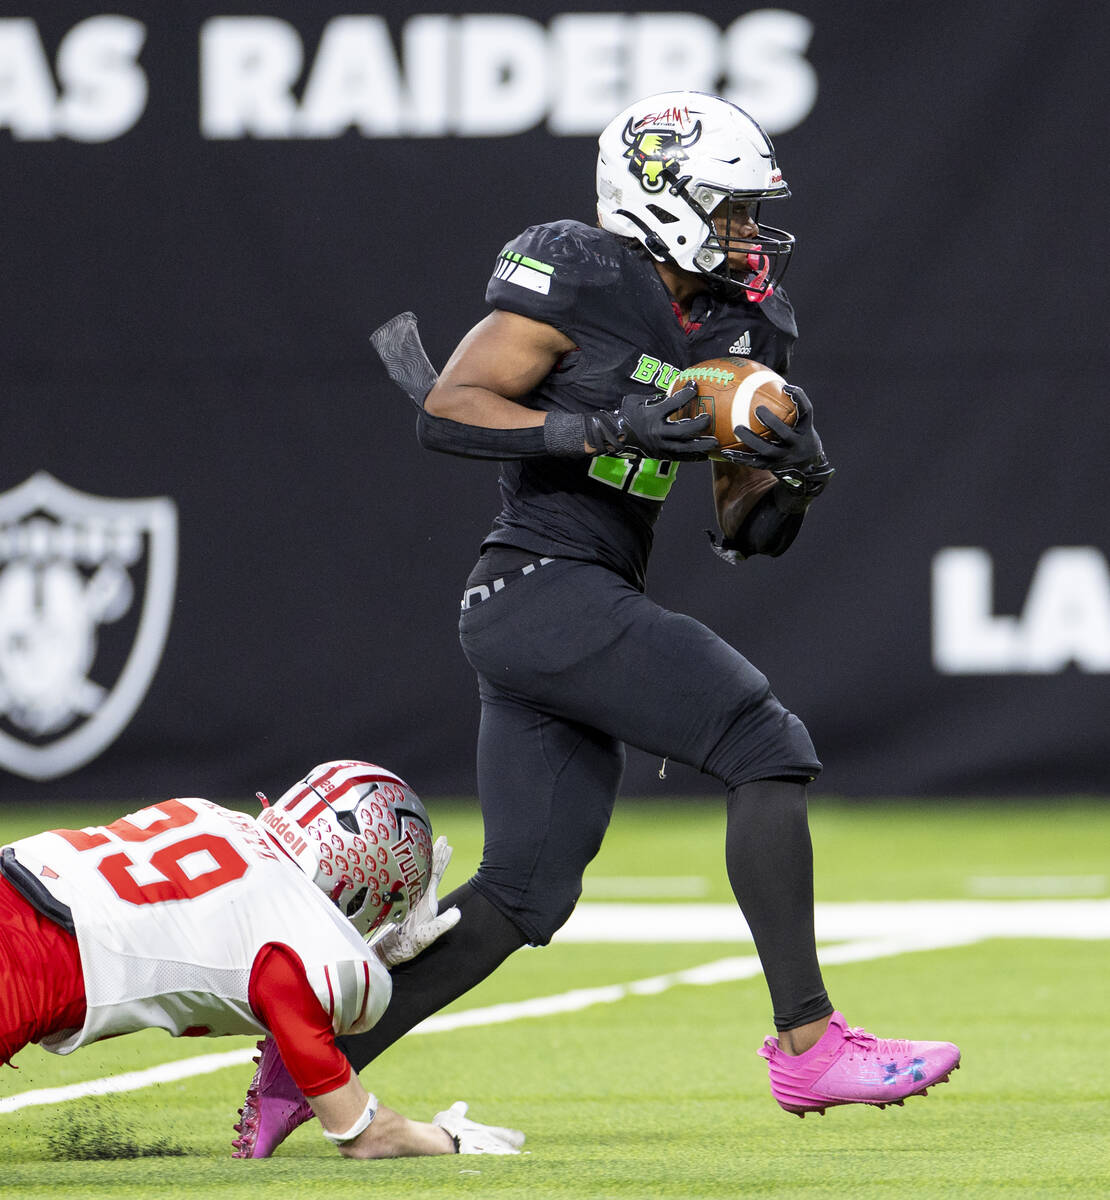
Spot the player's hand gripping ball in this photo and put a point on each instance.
(730, 390)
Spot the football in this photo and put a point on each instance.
(730, 390)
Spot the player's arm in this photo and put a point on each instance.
(473, 408)
(736, 491)
(507, 355)
(502, 358)
(756, 513)
(351, 1118)
(762, 493)
(283, 1000)
(390, 1135)
(360, 1127)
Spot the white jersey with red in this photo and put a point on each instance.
(173, 905)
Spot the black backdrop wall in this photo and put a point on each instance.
(223, 556)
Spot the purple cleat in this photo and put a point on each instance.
(852, 1066)
(274, 1106)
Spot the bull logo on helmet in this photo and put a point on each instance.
(655, 148)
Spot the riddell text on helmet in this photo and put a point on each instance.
(284, 830)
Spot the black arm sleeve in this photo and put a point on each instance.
(473, 441)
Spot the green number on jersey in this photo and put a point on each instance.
(650, 478)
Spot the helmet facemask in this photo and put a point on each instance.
(765, 257)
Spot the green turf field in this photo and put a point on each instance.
(659, 1093)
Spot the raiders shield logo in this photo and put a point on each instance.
(86, 592)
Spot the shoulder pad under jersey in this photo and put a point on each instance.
(549, 270)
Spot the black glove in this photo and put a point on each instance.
(641, 424)
(797, 458)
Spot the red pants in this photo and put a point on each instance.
(42, 990)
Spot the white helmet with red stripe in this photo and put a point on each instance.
(361, 835)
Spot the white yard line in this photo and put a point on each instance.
(861, 932)
(165, 1073)
(1018, 886)
(841, 922)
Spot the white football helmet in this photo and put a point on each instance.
(667, 162)
(361, 835)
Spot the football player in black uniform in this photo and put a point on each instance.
(565, 383)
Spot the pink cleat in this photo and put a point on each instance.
(274, 1106)
(852, 1066)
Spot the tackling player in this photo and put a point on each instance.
(202, 921)
(562, 381)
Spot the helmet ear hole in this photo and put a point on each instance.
(356, 902)
(661, 215)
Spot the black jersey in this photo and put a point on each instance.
(605, 294)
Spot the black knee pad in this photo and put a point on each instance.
(762, 742)
(538, 911)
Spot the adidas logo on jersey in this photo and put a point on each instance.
(742, 345)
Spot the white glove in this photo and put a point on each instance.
(425, 923)
(472, 1138)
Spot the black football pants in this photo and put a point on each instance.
(572, 662)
